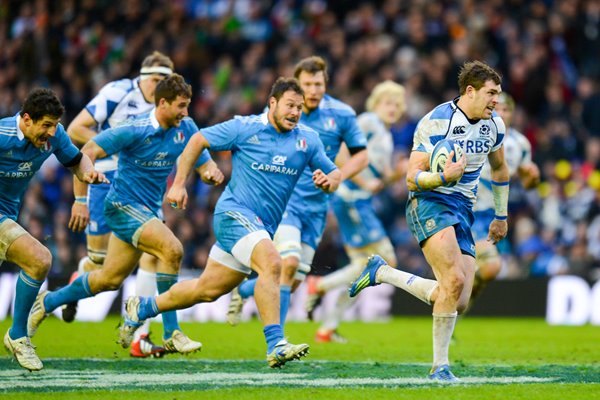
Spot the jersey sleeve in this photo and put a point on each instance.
(525, 148)
(318, 158)
(353, 135)
(501, 132)
(114, 140)
(191, 128)
(65, 149)
(428, 133)
(222, 136)
(108, 98)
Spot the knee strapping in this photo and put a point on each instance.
(97, 257)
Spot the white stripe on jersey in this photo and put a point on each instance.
(517, 152)
(477, 141)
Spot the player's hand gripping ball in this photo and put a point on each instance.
(440, 154)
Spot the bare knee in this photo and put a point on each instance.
(454, 283)
(107, 283)
(289, 266)
(39, 264)
(173, 253)
(489, 269)
(272, 268)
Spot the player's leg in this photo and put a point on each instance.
(327, 332)
(97, 236)
(158, 240)
(488, 266)
(35, 260)
(488, 261)
(454, 272)
(287, 240)
(145, 286)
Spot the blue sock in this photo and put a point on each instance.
(26, 292)
(273, 334)
(164, 283)
(77, 290)
(285, 293)
(148, 308)
(246, 288)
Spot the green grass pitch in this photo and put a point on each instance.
(496, 358)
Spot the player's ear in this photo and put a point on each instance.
(27, 120)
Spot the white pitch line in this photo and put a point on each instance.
(108, 380)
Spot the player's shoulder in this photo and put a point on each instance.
(329, 103)
(118, 89)
(442, 111)
(518, 136)
(498, 122)
(369, 121)
(308, 134)
(437, 120)
(8, 128)
(260, 119)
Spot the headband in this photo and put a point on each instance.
(157, 69)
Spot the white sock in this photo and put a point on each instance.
(145, 285)
(81, 265)
(332, 319)
(419, 287)
(342, 277)
(443, 327)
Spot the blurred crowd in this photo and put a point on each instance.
(231, 51)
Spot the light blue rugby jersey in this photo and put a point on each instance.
(20, 160)
(477, 139)
(148, 155)
(335, 122)
(116, 102)
(266, 164)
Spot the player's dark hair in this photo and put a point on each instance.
(172, 86)
(41, 102)
(282, 85)
(476, 74)
(312, 65)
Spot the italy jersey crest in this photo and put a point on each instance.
(179, 137)
(301, 145)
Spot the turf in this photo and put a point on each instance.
(496, 358)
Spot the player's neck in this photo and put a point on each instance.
(144, 89)
(464, 106)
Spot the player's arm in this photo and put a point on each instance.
(177, 195)
(80, 215)
(210, 173)
(80, 129)
(529, 174)
(500, 179)
(420, 179)
(391, 175)
(370, 185)
(359, 159)
(327, 182)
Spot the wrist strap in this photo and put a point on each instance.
(444, 181)
(417, 181)
(81, 199)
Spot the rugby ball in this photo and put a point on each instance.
(440, 154)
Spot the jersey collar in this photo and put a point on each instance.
(20, 133)
(153, 119)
